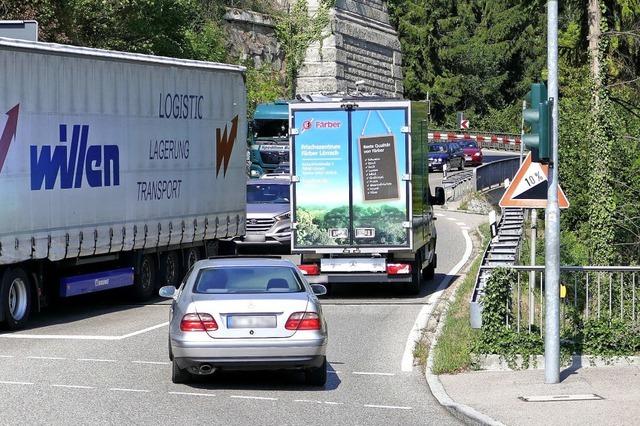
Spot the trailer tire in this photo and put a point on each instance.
(413, 288)
(170, 269)
(191, 256)
(145, 279)
(430, 270)
(15, 297)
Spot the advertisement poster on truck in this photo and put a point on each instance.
(349, 167)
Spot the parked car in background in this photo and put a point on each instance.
(268, 212)
(246, 313)
(472, 152)
(449, 153)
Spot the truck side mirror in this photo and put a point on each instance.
(438, 200)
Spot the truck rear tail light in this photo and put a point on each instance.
(310, 269)
(303, 321)
(398, 268)
(198, 322)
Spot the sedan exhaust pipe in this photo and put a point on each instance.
(206, 369)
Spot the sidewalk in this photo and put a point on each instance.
(496, 395)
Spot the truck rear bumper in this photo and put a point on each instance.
(359, 278)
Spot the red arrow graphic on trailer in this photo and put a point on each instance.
(9, 133)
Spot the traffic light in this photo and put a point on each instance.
(537, 132)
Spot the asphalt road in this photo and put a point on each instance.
(103, 361)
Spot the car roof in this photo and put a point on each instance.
(234, 261)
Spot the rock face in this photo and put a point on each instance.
(360, 45)
(251, 37)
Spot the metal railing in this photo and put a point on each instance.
(587, 292)
(458, 184)
(493, 174)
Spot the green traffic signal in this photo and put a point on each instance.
(537, 136)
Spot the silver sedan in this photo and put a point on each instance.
(246, 313)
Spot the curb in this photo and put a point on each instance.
(460, 411)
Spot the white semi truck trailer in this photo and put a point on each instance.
(116, 170)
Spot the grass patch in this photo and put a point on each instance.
(453, 351)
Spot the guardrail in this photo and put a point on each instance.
(491, 175)
(458, 184)
(587, 293)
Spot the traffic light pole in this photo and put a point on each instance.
(552, 219)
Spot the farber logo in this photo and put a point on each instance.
(8, 133)
(224, 145)
(99, 163)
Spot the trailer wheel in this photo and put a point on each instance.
(170, 269)
(430, 271)
(191, 256)
(15, 296)
(145, 280)
(413, 287)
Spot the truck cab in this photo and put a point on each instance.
(269, 138)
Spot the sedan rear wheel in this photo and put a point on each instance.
(179, 375)
(317, 376)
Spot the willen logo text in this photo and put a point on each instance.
(100, 164)
(224, 145)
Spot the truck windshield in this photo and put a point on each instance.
(268, 193)
(270, 129)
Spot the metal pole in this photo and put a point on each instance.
(552, 219)
(524, 106)
(532, 274)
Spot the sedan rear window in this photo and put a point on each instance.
(251, 279)
(437, 148)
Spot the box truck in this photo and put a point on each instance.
(361, 203)
(116, 170)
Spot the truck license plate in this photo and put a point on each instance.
(353, 265)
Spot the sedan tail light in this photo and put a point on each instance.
(398, 268)
(198, 322)
(310, 269)
(303, 321)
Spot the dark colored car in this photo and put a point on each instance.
(449, 153)
(472, 153)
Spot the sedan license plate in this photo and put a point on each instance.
(251, 321)
(468, 158)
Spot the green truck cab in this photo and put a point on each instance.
(269, 138)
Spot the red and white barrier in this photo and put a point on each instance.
(483, 139)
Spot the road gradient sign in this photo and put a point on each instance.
(529, 188)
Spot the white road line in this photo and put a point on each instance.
(144, 330)
(451, 219)
(72, 386)
(7, 382)
(307, 400)
(45, 357)
(192, 394)
(128, 390)
(391, 407)
(96, 360)
(372, 373)
(461, 224)
(151, 362)
(440, 214)
(262, 398)
(333, 403)
(425, 312)
(7, 356)
(80, 336)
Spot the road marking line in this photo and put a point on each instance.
(192, 393)
(262, 398)
(72, 386)
(7, 356)
(7, 382)
(371, 373)
(151, 362)
(440, 214)
(461, 224)
(391, 407)
(144, 330)
(451, 219)
(80, 336)
(425, 312)
(333, 403)
(307, 400)
(44, 357)
(96, 360)
(129, 390)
